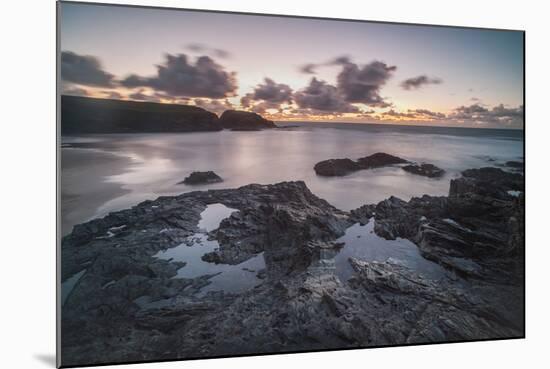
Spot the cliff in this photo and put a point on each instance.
(84, 115)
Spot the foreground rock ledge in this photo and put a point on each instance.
(139, 312)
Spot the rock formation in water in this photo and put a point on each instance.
(426, 170)
(336, 167)
(140, 312)
(197, 178)
(341, 167)
(244, 121)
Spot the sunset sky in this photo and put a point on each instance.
(295, 69)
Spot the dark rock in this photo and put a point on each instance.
(136, 292)
(243, 120)
(488, 182)
(336, 167)
(140, 312)
(426, 170)
(196, 178)
(380, 159)
(85, 115)
(341, 167)
(475, 232)
(514, 164)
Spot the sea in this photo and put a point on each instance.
(110, 172)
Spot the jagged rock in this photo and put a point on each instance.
(488, 182)
(135, 291)
(243, 120)
(196, 178)
(140, 312)
(476, 225)
(426, 170)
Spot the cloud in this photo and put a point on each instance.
(417, 82)
(470, 111)
(411, 115)
(178, 77)
(498, 115)
(220, 53)
(215, 106)
(323, 97)
(140, 96)
(112, 95)
(75, 91)
(201, 48)
(308, 68)
(269, 91)
(429, 114)
(363, 84)
(84, 70)
(196, 47)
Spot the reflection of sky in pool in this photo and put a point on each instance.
(362, 243)
(229, 278)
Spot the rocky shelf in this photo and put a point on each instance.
(138, 311)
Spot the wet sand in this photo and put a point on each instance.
(89, 186)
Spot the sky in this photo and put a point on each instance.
(295, 69)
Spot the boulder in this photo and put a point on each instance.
(197, 178)
(336, 167)
(380, 159)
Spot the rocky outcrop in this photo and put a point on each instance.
(244, 121)
(426, 170)
(487, 182)
(336, 167)
(135, 292)
(380, 159)
(341, 167)
(140, 312)
(197, 178)
(85, 115)
(468, 232)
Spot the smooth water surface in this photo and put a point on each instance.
(229, 278)
(362, 243)
(104, 173)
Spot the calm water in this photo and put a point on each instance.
(103, 173)
(362, 243)
(230, 278)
